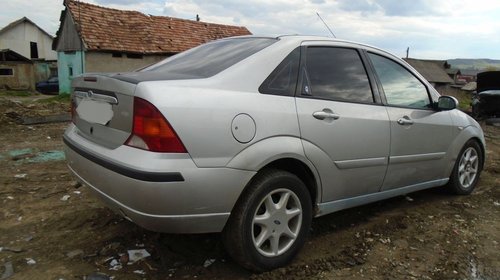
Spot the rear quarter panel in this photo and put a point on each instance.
(202, 118)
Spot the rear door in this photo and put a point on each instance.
(345, 129)
(420, 135)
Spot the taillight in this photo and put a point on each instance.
(151, 131)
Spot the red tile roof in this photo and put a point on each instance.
(131, 31)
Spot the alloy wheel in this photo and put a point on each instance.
(468, 167)
(276, 222)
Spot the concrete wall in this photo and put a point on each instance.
(105, 62)
(65, 62)
(19, 37)
(96, 62)
(44, 70)
(23, 76)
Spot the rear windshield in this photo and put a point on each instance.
(211, 58)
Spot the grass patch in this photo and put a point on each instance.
(17, 93)
(62, 98)
(464, 98)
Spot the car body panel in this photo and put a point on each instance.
(190, 197)
(357, 143)
(276, 148)
(341, 204)
(114, 133)
(415, 157)
(205, 125)
(351, 158)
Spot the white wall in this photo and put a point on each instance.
(19, 37)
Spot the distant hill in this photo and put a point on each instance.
(474, 64)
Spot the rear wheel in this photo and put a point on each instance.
(467, 169)
(270, 222)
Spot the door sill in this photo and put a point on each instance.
(337, 205)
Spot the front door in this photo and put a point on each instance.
(420, 135)
(345, 131)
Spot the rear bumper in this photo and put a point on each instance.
(160, 192)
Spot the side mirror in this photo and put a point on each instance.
(446, 103)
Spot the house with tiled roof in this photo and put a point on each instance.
(92, 38)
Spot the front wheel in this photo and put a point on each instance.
(467, 169)
(270, 222)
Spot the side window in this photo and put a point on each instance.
(283, 80)
(401, 88)
(336, 74)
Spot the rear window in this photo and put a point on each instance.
(209, 59)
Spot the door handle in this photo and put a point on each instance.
(325, 114)
(405, 121)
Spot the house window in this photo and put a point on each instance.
(134, 55)
(34, 50)
(70, 71)
(53, 71)
(6, 72)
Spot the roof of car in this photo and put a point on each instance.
(302, 38)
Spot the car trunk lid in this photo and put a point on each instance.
(103, 108)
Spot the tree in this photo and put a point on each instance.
(491, 68)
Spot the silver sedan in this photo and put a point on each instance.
(255, 136)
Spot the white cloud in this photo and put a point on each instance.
(432, 29)
(45, 13)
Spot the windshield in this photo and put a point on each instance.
(211, 58)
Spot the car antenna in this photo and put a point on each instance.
(326, 25)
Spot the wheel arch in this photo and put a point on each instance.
(299, 169)
(283, 153)
(483, 150)
(467, 134)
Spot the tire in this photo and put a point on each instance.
(264, 232)
(467, 169)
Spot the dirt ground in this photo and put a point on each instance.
(49, 229)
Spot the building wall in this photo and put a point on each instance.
(69, 66)
(105, 62)
(19, 37)
(44, 70)
(69, 39)
(23, 76)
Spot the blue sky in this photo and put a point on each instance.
(434, 29)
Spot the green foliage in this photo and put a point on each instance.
(491, 68)
(63, 98)
(17, 93)
(464, 98)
